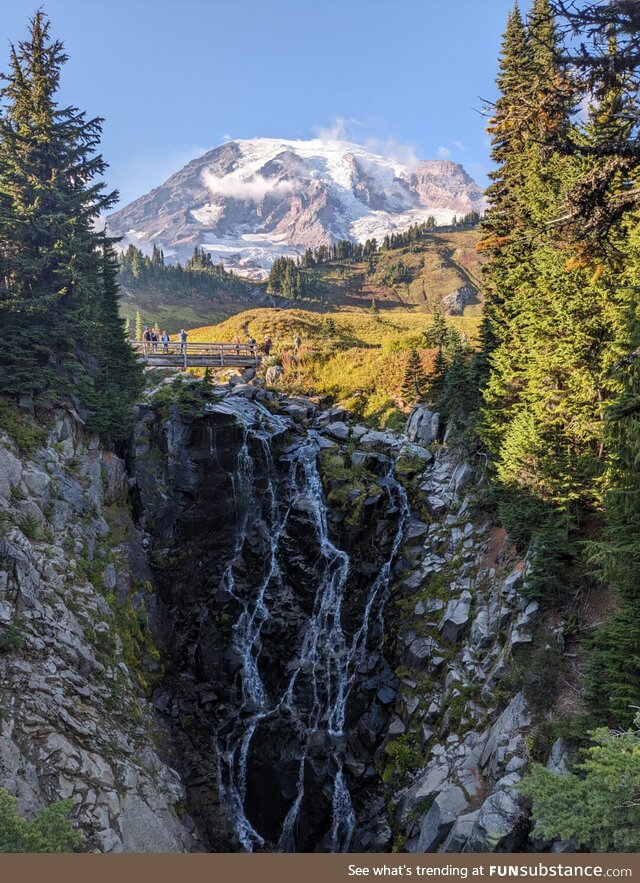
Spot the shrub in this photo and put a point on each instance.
(30, 527)
(12, 637)
(27, 436)
(599, 809)
(50, 831)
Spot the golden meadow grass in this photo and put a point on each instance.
(354, 357)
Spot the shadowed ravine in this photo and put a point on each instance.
(275, 608)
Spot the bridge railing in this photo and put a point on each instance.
(213, 354)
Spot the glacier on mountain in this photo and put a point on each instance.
(251, 201)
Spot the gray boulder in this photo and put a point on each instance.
(559, 757)
(445, 809)
(501, 826)
(423, 425)
(420, 650)
(455, 618)
(337, 430)
(379, 441)
(273, 373)
(460, 832)
(514, 719)
(436, 505)
(481, 633)
(10, 472)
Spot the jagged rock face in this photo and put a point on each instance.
(273, 555)
(74, 719)
(248, 202)
(269, 606)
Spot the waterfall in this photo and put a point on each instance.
(312, 702)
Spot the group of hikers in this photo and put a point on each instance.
(265, 349)
(152, 337)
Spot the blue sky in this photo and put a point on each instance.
(175, 77)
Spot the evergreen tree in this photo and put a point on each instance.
(613, 677)
(595, 807)
(139, 328)
(50, 198)
(59, 299)
(504, 223)
(415, 380)
(117, 380)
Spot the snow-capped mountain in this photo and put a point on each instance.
(248, 202)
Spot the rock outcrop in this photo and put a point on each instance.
(75, 648)
(302, 641)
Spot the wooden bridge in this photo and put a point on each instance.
(195, 355)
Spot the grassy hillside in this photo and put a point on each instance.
(174, 296)
(426, 274)
(351, 355)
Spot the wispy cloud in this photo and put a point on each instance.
(339, 130)
(404, 153)
(252, 189)
(443, 152)
(459, 145)
(352, 129)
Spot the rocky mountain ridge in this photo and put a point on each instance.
(248, 202)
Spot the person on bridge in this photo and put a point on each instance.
(146, 340)
(183, 341)
(236, 342)
(252, 345)
(154, 341)
(165, 342)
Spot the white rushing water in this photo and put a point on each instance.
(315, 697)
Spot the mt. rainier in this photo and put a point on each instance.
(248, 202)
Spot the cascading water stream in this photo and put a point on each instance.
(315, 696)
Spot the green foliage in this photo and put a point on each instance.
(394, 273)
(12, 637)
(20, 428)
(30, 527)
(50, 831)
(286, 279)
(199, 277)
(58, 299)
(189, 397)
(559, 416)
(347, 487)
(598, 806)
(404, 756)
(414, 384)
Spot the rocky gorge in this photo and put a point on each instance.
(264, 627)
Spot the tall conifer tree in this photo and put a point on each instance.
(52, 295)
